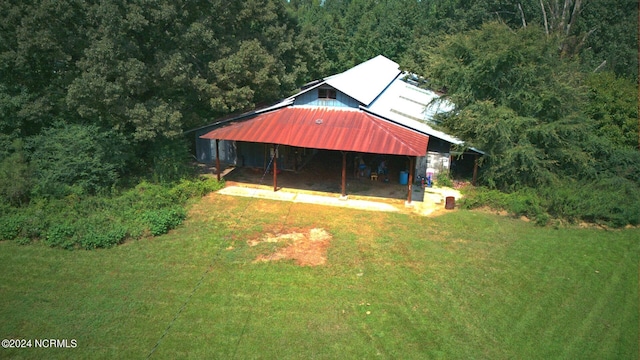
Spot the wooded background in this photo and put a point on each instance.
(96, 95)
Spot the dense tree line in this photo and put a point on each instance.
(132, 76)
(352, 31)
(96, 94)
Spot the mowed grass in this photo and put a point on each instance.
(458, 286)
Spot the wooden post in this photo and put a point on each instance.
(344, 174)
(218, 159)
(275, 167)
(410, 182)
(475, 170)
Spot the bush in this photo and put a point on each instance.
(90, 222)
(443, 180)
(98, 237)
(15, 176)
(61, 235)
(76, 159)
(11, 227)
(188, 189)
(146, 195)
(475, 197)
(611, 201)
(526, 202)
(161, 221)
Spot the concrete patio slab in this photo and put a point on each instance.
(431, 201)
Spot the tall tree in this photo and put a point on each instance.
(40, 41)
(154, 69)
(517, 99)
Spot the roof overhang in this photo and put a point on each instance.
(326, 128)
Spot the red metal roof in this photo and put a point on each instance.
(326, 128)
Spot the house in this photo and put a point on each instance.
(368, 110)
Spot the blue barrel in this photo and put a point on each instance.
(404, 177)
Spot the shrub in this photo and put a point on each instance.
(90, 222)
(443, 180)
(15, 176)
(76, 159)
(481, 196)
(188, 189)
(611, 201)
(11, 226)
(147, 196)
(163, 220)
(94, 238)
(61, 235)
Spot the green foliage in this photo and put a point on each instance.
(140, 72)
(558, 146)
(620, 162)
(90, 221)
(443, 179)
(76, 158)
(611, 201)
(187, 189)
(61, 235)
(161, 221)
(616, 42)
(170, 161)
(11, 226)
(613, 104)
(92, 235)
(518, 101)
(154, 70)
(15, 175)
(525, 202)
(520, 70)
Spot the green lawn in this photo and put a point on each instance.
(458, 286)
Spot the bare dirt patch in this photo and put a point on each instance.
(306, 248)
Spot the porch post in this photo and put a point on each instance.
(344, 174)
(218, 159)
(475, 170)
(275, 167)
(410, 182)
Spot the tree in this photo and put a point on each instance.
(517, 99)
(15, 175)
(153, 70)
(613, 104)
(40, 41)
(78, 158)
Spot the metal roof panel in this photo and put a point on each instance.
(364, 82)
(326, 128)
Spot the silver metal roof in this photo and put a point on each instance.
(364, 82)
(413, 107)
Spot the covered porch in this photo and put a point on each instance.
(346, 135)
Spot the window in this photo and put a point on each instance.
(326, 94)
